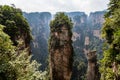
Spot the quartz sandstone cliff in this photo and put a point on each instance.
(61, 52)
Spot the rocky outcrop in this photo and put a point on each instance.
(60, 49)
(61, 54)
(92, 70)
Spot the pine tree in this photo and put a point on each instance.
(110, 64)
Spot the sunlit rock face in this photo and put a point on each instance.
(61, 52)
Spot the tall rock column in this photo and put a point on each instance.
(92, 71)
(60, 48)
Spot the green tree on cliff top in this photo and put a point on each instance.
(16, 24)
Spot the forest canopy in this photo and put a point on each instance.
(16, 25)
(16, 64)
(110, 64)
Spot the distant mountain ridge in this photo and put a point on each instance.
(39, 23)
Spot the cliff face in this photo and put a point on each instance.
(61, 52)
(92, 69)
(60, 47)
(95, 20)
(39, 23)
(80, 24)
(94, 25)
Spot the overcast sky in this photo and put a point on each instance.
(58, 5)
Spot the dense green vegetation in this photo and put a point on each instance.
(14, 64)
(6, 50)
(16, 24)
(61, 19)
(110, 64)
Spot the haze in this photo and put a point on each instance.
(54, 6)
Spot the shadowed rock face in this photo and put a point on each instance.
(39, 23)
(92, 70)
(61, 53)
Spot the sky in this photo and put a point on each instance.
(54, 6)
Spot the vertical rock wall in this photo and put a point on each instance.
(61, 52)
(92, 70)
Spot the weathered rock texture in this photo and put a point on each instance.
(61, 52)
(92, 70)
